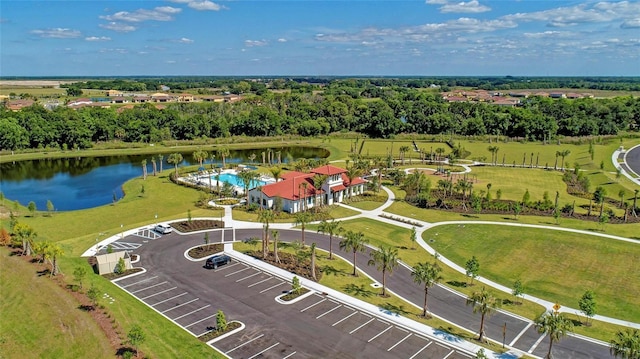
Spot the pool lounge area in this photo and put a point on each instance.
(229, 176)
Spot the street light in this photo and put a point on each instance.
(156, 219)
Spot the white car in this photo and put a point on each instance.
(163, 228)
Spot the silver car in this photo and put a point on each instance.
(163, 228)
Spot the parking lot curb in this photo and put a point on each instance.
(237, 330)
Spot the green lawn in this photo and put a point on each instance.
(556, 266)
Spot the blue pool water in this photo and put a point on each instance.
(236, 181)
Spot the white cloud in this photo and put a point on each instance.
(548, 34)
(472, 6)
(118, 26)
(579, 14)
(631, 24)
(185, 40)
(282, 39)
(252, 43)
(162, 13)
(97, 38)
(200, 5)
(57, 33)
(437, 2)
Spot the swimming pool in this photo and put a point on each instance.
(236, 181)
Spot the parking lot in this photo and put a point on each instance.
(316, 326)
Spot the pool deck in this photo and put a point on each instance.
(202, 179)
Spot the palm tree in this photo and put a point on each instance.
(276, 172)
(266, 217)
(485, 303)
(175, 159)
(302, 219)
(429, 274)
(223, 152)
(318, 181)
(555, 165)
(626, 345)
(621, 194)
(494, 154)
(386, 260)
(26, 235)
(276, 235)
(403, 150)
(352, 173)
(160, 160)
(54, 251)
(247, 177)
(144, 169)
(555, 326)
(354, 242)
(331, 228)
(200, 155)
(564, 154)
(153, 163)
(252, 157)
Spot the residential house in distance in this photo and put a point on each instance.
(114, 93)
(17, 105)
(160, 97)
(298, 193)
(185, 97)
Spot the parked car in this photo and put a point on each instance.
(163, 228)
(218, 260)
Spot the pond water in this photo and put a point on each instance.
(79, 183)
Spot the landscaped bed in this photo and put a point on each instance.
(206, 250)
(197, 225)
(214, 333)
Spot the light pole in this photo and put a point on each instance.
(156, 219)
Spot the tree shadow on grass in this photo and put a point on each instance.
(447, 334)
(330, 270)
(358, 290)
(392, 309)
(458, 284)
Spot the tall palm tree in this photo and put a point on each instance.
(429, 274)
(352, 173)
(200, 155)
(564, 154)
(485, 303)
(266, 216)
(276, 235)
(161, 161)
(247, 177)
(153, 163)
(354, 242)
(25, 234)
(144, 169)
(555, 326)
(223, 152)
(276, 172)
(252, 157)
(331, 228)
(626, 345)
(386, 260)
(318, 181)
(403, 150)
(175, 159)
(54, 251)
(494, 153)
(302, 219)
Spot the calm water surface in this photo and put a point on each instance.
(79, 183)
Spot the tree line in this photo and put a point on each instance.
(382, 113)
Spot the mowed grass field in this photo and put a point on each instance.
(557, 266)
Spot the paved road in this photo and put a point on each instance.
(632, 158)
(189, 295)
(446, 304)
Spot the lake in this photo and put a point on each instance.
(86, 182)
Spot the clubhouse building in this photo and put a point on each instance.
(297, 192)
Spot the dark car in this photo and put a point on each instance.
(215, 261)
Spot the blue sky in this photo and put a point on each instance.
(320, 38)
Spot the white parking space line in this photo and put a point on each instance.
(247, 277)
(256, 354)
(448, 355)
(290, 355)
(535, 345)
(329, 311)
(343, 319)
(262, 281)
(273, 286)
(520, 334)
(179, 305)
(197, 310)
(379, 334)
(236, 272)
(227, 266)
(420, 351)
(149, 287)
(168, 299)
(154, 294)
(400, 341)
(369, 321)
(201, 320)
(140, 281)
(245, 343)
(313, 305)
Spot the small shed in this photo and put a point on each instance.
(106, 263)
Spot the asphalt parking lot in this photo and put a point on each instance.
(316, 326)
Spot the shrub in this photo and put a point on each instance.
(120, 267)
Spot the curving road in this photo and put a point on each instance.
(632, 159)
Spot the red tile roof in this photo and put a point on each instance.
(328, 170)
(291, 189)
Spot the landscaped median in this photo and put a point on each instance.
(391, 309)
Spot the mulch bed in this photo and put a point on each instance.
(289, 263)
(197, 225)
(112, 276)
(206, 250)
(214, 333)
(292, 296)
